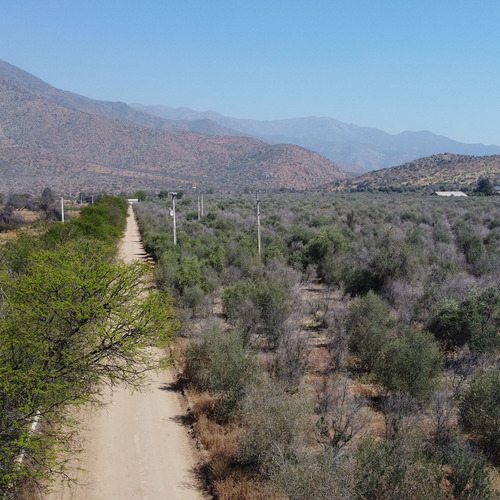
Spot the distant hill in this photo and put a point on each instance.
(438, 172)
(356, 149)
(49, 137)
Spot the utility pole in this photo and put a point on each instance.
(173, 194)
(202, 211)
(257, 201)
(62, 209)
(199, 208)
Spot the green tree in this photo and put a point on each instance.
(71, 321)
(485, 186)
(470, 474)
(217, 258)
(473, 247)
(189, 274)
(327, 242)
(48, 197)
(273, 300)
(140, 195)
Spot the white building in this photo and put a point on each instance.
(450, 193)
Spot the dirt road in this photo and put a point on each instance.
(136, 447)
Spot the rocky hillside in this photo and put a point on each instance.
(438, 172)
(47, 140)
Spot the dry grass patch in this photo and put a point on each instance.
(243, 489)
(220, 442)
(495, 479)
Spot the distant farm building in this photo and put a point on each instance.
(132, 200)
(450, 193)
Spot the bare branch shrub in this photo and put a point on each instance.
(341, 413)
(289, 362)
(402, 414)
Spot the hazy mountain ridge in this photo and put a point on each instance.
(46, 139)
(437, 172)
(357, 148)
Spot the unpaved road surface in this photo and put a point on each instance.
(136, 447)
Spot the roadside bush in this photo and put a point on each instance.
(274, 423)
(73, 320)
(222, 365)
(104, 220)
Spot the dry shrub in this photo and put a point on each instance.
(242, 489)
(221, 443)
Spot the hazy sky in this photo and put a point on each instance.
(392, 64)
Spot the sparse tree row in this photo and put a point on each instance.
(356, 358)
(71, 318)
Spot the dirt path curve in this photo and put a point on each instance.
(136, 447)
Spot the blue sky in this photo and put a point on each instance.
(392, 64)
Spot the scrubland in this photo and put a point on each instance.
(356, 357)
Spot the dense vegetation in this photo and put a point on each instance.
(356, 358)
(71, 318)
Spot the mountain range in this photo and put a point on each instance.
(355, 149)
(50, 137)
